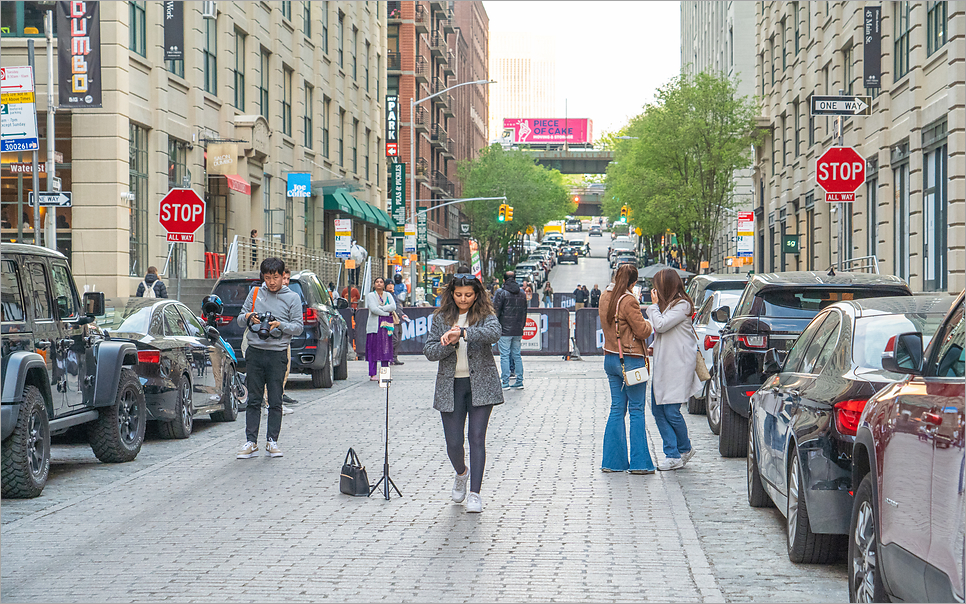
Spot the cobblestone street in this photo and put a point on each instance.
(187, 521)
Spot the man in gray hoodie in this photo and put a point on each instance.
(267, 358)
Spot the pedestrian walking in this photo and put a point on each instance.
(379, 326)
(625, 331)
(579, 297)
(152, 286)
(673, 378)
(547, 295)
(464, 330)
(399, 288)
(510, 305)
(266, 360)
(595, 297)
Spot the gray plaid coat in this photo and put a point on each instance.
(484, 377)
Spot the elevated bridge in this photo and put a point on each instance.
(575, 161)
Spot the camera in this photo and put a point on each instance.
(262, 329)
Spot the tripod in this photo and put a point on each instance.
(386, 481)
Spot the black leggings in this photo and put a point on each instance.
(453, 425)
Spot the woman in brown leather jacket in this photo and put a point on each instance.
(620, 314)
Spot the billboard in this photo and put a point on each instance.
(543, 131)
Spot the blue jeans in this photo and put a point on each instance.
(674, 432)
(625, 400)
(510, 349)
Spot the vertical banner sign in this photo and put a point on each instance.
(343, 237)
(872, 46)
(422, 237)
(392, 125)
(397, 196)
(173, 31)
(746, 234)
(410, 244)
(299, 184)
(79, 54)
(475, 265)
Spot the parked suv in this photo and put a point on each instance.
(771, 313)
(908, 527)
(700, 287)
(59, 372)
(323, 347)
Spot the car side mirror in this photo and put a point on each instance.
(771, 365)
(341, 304)
(721, 314)
(94, 304)
(903, 354)
(212, 332)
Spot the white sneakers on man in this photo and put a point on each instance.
(272, 450)
(247, 451)
(474, 504)
(459, 486)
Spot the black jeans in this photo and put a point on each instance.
(266, 368)
(453, 426)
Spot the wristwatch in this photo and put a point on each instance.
(463, 333)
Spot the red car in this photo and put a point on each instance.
(907, 539)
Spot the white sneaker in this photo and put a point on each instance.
(686, 457)
(287, 410)
(673, 463)
(459, 486)
(247, 451)
(474, 504)
(272, 450)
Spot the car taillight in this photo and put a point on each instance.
(223, 319)
(149, 357)
(847, 414)
(710, 341)
(754, 341)
(310, 315)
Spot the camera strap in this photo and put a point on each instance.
(254, 297)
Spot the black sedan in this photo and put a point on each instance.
(567, 254)
(803, 419)
(184, 371)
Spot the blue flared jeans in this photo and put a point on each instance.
(625, 401)
(673, 429)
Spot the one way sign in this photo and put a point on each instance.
(841, 105)
(50, 198)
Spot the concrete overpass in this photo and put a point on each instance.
(575, 161)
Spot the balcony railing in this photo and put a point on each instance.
(438, 135)
(422, 169)
(437, 45)
(449, 68)
(422, 19)
(442, 183)
(421, 121)
(439, 86)
(394, 61)
(395, 10)
(422, 70)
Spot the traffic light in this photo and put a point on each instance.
(624, 212)
(502, 216)
(509, 213)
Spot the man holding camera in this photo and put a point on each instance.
(267, 359)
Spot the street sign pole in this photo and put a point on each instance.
(51, 235)
(35, 177)
(841, 242)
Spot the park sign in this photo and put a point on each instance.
(181, 213)
(840, 105)
(840, 171)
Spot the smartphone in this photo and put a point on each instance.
(384, 377)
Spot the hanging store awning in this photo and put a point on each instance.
(341, 201)
(237, 183)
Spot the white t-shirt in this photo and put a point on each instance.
(462, 360)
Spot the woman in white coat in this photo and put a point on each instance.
(379, 326)
(673, 378)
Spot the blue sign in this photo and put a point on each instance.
(299, 184)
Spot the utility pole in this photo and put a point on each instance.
(51, 234)
(35, 177)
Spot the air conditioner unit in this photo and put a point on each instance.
(209, 10)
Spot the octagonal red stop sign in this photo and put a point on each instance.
(182, 212)
(840, 171)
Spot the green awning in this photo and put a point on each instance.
(341, 201)
(338, 203)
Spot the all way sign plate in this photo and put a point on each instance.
(841, 105)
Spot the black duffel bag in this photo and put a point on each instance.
(354, 480)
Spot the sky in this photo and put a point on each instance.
(611, 56)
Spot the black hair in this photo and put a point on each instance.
(272, 266)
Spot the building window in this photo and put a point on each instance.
(936, 26)
(365, 160)
(784, 26)
(934, 209)
(138, 28)
(900, 183)
(341, 136)
(368, 48)
(308, 209)
(355, 48)
(267, 204)
(798, 130)
(325, 27)
(286, 101)
(288, 222)
(138, 183)
(355, 146)
(784, 141)
(326, 103)
(846, 217)
(307, 120)
(847, 71)
(210, 53)
(287, 10)
(307, 19)
(216, 216)
(795, 16)
(23, 19)
(340, 32)
(872, 207)
(774, 154)
(901, 37)
(811, 129)
(774, 59)
(263, 84)
(239, 70)
(177, 164)
(810, 231)
(774, 243)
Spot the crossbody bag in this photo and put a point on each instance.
(635, 376)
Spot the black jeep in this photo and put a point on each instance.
(58, 372)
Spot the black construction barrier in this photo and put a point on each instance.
(589, 335)
(564, 300)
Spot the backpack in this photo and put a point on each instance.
(149, 291)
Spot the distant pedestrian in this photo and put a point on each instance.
(580, 298)
(673, 378)
(595, 296)
(152, 286)
(352, 296)
(547, 295)
(379, 327)
(333, 294)
(254, 236)
(399, 288)
(398, 318)
(464, 330)
(625, 331)
(586, 296)
(510, 306)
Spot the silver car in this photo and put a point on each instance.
(706, 328)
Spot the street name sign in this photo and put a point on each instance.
(181, 213)
(840, 171)
(56, 199)
(409, 245)
(18, 118)
(343, 237)
(841, 105)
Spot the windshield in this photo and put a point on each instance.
(129, 319)
(806, 303)
(872, 334)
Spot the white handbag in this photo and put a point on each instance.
(632, 377)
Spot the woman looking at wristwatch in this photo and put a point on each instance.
(464, 330)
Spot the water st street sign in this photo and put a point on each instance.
(59, 199)
(841, 105)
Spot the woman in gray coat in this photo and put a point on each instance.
(673, 379)
(464, 330)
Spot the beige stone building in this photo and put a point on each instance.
(288, 86)
(911, 213)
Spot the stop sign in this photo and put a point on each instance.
(182, 212)
(840, 171)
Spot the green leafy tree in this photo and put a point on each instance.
(537, 194)
(675, 170)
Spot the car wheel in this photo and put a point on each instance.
(341, 371)
(733, 439)
(713, 405)
(26, 452)
(865, 572)
(228, 399)
(757, 497)
(180, 426)
(322, 378)
(118, 433)
(697, 405)
(804, 546)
